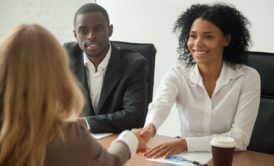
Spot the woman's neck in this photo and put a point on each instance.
(210, 75)
(210, 72)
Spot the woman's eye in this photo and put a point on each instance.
(192, 36)
(208, 36)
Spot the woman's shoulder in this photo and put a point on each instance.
(74, 128)
(77, 134)
(242, 70)
(182, 67)
(247, 69)
(73, 147)
(74, 135)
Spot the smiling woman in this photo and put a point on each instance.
(206, 42)
(215, 93)
(148, 21)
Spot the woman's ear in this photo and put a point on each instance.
(227, 40)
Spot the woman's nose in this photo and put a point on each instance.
(198, 41)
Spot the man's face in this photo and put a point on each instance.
(92, 32)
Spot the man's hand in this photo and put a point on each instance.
(82, 122)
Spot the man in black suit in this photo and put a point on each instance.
(113, 79)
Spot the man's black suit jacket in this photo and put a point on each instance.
(122, 103)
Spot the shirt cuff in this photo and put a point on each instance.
(130, 140)
(88, 126)
(153, 119)
(195, 144)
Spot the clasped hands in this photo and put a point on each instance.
(164, 149)
(145, 134)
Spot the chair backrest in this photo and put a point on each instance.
(148, 50)
(262, 139)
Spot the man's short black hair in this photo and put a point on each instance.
(90, 8)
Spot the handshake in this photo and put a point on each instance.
(144, 135)
(162, 150)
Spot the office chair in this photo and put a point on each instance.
(148, 50)
(262, 139)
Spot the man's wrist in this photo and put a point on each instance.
(87, 124)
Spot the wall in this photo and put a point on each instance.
(55, 15)
(152, 21)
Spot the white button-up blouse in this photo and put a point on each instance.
(232, 109)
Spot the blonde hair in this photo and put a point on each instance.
(38, 93)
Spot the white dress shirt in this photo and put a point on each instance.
(96, 78)
(232, 109)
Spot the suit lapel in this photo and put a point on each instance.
(112, 77)
(80, 72)
(88, 109)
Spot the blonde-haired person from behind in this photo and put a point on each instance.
(39, 105)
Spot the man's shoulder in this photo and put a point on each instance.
(72, 48)
(72, 44)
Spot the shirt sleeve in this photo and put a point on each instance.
(128, 138)
(78, 147)
(167, 92)
(120, 150)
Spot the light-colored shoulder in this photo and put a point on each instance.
(247, 70)
(182, 67)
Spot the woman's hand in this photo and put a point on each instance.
(144, 135)
(167, 149)
(142, 142)
(148, 131)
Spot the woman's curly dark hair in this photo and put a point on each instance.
(227, 18)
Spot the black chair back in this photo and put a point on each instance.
(148, 50)
(262, 139)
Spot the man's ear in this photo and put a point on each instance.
(227, 39)
(74, 33)
(110, 29)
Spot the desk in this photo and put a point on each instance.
(245, 158)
